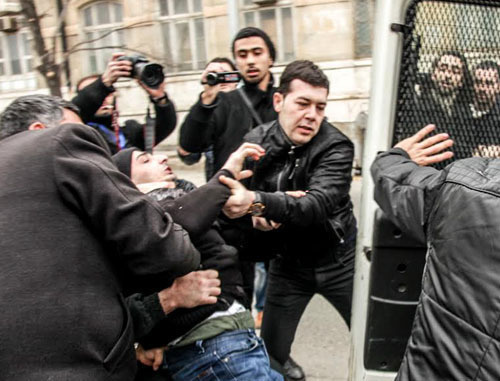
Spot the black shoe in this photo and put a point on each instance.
(293, 371)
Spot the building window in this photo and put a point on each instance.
(100, 21)
(183, 34)
(15, 54)
(276, 21)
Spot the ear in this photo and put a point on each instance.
(36, 126)
(278, 102)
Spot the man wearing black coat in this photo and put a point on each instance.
(96, 99)
(301, 212)
(456, 212)
(71, 237)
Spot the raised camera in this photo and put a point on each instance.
(213, 78)
(151, 74)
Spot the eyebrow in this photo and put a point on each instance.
(310, 100)
(140, 155)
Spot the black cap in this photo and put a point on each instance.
(123, 160)
(251, 31)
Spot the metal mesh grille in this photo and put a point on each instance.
(449, 74)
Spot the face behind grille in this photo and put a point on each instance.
(450, 75)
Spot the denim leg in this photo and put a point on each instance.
(230, 356)
(290, 289)
(260, 285)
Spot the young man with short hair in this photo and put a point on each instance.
(301, 213)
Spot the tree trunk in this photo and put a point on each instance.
(49, 69)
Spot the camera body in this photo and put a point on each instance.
(151, 74)
(213, 78)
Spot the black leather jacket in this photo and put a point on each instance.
(313, 225)
(455, 332)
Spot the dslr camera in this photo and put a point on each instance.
(151, 74)
(213, 78)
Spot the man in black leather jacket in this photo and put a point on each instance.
(301, 212)
(455, 211)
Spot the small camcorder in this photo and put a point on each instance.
(213, 78)
(151, 74)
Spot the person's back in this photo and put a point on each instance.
(454, 334)
(64, 214)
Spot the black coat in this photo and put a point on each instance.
(224, 123)
(455, 332)
(312, 226)
(195, 210)
(70, 222)
(91, 97)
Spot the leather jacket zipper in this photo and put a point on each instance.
(286, 167)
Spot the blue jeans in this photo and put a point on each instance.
(260, 285)
(230, 356)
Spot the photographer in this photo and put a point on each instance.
(96, 98)
(216, 65)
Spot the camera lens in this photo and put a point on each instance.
(150, 74)
(212, 79)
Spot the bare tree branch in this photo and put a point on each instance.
(107, 34)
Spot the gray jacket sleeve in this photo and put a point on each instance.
(135, 229)
(404, 190)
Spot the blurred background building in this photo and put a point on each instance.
(182, 35)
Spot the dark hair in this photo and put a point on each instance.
(467, 80)
(251, 31)
(24, 111)
(95, 76)
(222, 60)
(488, 65)
(306, 71)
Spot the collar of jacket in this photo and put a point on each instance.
(281, 143)
(255, 94)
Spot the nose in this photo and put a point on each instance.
(250, 59)
(162, 159)
(311, 112)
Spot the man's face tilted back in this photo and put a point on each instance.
(301, 111)
(147, 168)
(253, 58)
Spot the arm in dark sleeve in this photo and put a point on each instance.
(146, 312)
(197, 210)
(134, 227)
(166, 119)
(191, 158)
(403, 190)
(328, 186)
(198, 127)
(90, 98)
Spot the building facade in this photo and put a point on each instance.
(183, 35)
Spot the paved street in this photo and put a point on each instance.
(322, 342)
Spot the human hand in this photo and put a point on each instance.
(234, 163)
(150, 357)
(154, 93)
(296, 193)
(116, 69)
(261, 223)
(492, 151)
(148, 187)
(428, 151)
(194, 289)
(241, 198)
(210, 92)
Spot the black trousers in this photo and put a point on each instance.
(291, 287)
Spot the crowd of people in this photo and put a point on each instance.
(115, 269)
(452, 91)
